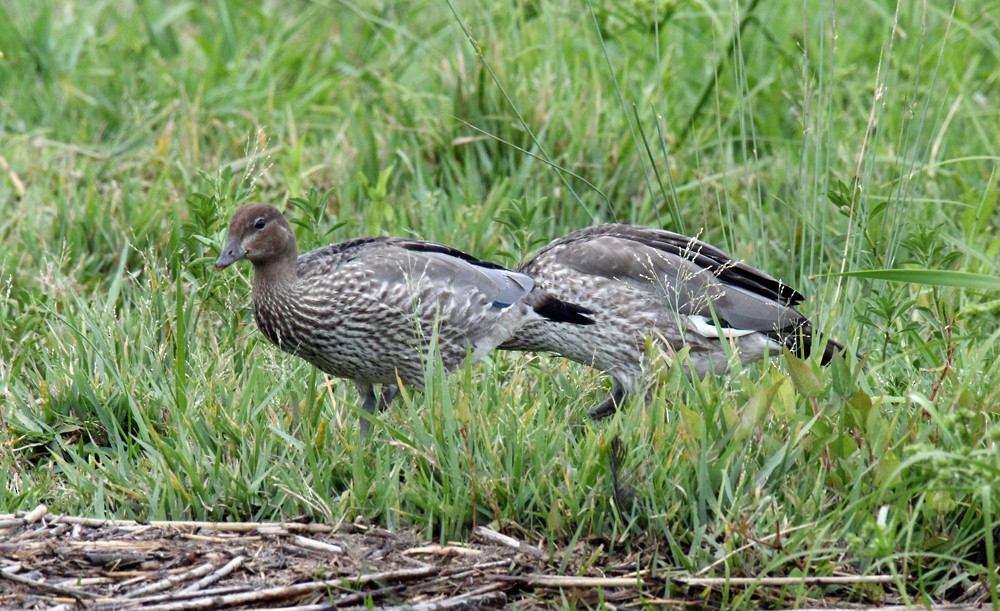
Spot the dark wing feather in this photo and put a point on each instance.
(322, 260)
(689, 281)
(421, 246)
(721, 264)
(702, 255)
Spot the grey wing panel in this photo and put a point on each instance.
(503, 286)
(682, 284)
(701, 254)
(391, 265)
(724, 267)
(685, 285)
(742, 309)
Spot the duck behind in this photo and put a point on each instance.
(640, 283)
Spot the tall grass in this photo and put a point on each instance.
(808, 142)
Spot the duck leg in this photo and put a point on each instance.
(367, 392)
(369, 402)
(389, 392)
(610, 405)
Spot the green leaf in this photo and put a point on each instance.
(803, 377)
(932, 277)
(858, 407)
(555, 521)
(692, 422)
(886, 472)
(843, 381)
(756, 409)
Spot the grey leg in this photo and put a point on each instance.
(367, 392)
(389, 392)
(369, 403)
(610, 405)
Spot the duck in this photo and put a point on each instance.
(640, 283)
(369, 309)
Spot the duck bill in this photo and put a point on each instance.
(231, 253)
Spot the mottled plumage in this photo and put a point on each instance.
(643, 283)
(366, 309)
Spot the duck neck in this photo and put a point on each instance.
(278, 276)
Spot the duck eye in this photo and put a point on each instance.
(259, 223)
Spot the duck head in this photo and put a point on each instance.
(259, 233)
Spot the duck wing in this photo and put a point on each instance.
(693, 278)
(505, 287)
(700, 254)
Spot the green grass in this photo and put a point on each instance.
(807, 140)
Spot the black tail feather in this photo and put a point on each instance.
(556, 310)
(801, 343)
(832, 347)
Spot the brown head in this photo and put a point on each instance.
(259, 233)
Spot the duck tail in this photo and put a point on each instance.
(832, 347)
(549, 307)
(802, 342)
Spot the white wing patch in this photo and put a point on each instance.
(705, 327)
